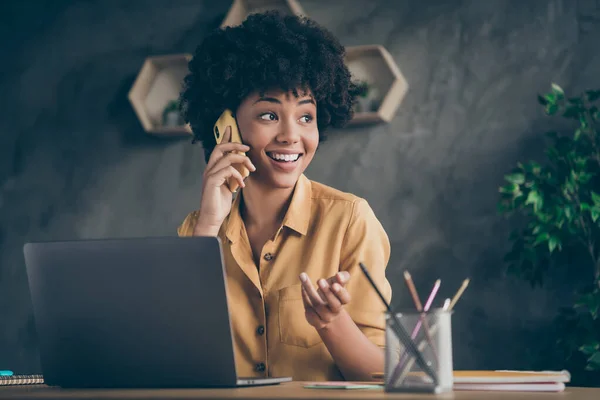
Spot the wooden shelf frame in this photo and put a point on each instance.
(240, 9)
(159, 81)
(376, 66)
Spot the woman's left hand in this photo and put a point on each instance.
(323, 305)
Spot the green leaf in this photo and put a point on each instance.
(584, 207)
(553, 243)
(570, 186)
(542, 237)
(589, 301)
(595, 213)
(551, 97)
(557, 90)
(542, 100)
(585, 177)
(536, 199)
(568, 213)
(595, 360)
(577, 134)
(590, 348)
(551, 108)
(510, 188)
(516, 178)
(596, 198)
(592, 95)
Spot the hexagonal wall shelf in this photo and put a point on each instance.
(155, 89)
(240, 9)
(374, 65)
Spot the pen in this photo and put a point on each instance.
(401, 332)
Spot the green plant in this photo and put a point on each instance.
(560, 203)
(363, 89)
(172, 107)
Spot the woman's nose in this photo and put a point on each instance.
(289, 133)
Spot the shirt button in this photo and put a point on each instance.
(268, 256)
(260, 330)
(260, 367)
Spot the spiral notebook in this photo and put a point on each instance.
(34, 379)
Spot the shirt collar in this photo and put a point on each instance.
(297, 216)
(298, 213)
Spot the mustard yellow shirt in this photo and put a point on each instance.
(324, 231)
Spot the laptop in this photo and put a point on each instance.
(133, 313)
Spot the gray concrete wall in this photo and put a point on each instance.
(75, 163)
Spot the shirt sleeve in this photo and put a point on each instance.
(187, 226)
(366, 241)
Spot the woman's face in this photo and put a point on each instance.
(281, 131)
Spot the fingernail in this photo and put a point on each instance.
(303, 277)
(343, 276)
(336, 287)
(322, 283)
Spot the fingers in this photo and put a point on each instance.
(306, 299)
(225, 147)
(332, 301)
(341, 278)
(230, 159)
(341, 293)
(328, 300)
(218, 178)
(313, 295)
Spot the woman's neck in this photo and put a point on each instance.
(264, 207)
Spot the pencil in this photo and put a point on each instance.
(448, 305)
(459, 293)
(422, 321)
(400, 331)
(419, 306)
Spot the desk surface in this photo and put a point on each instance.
(291, 390)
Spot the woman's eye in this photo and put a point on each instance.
(306, 118)
(268, 116)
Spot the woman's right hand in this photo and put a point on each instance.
(216, 196)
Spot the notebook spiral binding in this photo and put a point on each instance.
(34, 379)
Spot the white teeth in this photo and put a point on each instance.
(285, 157)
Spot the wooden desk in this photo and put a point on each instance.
(292, 390)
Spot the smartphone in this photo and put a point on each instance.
(227, 119)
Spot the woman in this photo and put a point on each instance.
(298, 302)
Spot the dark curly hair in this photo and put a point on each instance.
(267, 51)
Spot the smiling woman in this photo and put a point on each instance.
(282, 134)
(285, 80)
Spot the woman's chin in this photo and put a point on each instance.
(284, 182)
(279, 181)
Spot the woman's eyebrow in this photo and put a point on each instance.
(307, 101)
(268, 99)
(276, 101)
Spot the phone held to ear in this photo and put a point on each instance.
(226, 119)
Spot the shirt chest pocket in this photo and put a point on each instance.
(293, 327)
